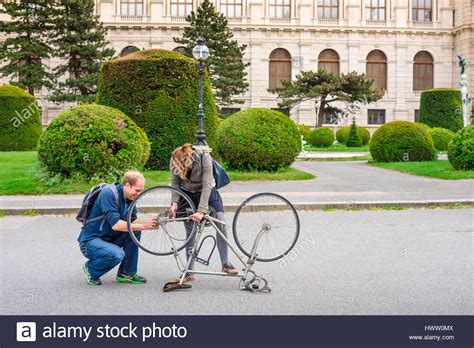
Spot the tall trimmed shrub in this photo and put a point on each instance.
(159, 89)
(461, 149)
(441, 107)
(260, 139)
(20, 125)
(354, 139)
(92, 140)
(401, 141)
(321, 137)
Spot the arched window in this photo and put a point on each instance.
(181, 8)
(377, 69)
(422, 10)
(180, 49)
(127, 50)
(279, 8)
(131, 8)
(423, 71)
(328, 9)
(280, 67)
(329, 60)
(231, 8)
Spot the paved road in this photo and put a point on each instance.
(367, 262)
(337, 182)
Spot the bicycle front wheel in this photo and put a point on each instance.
(171, 233)
(273, 216)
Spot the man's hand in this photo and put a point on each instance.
(197, 216)
(149, 224)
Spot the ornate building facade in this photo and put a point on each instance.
(405, 46)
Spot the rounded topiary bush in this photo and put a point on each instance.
(305, 131)
(441, 107)
(321, 137)
(159, 90)
(461, 149)
(20, 125)
(364, 135)
(425, 127)
(343, 133)
(401, 141)
(259, 139)
(92, 140)
(441, 138)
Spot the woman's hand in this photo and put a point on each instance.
(172, 211)
(197, 216)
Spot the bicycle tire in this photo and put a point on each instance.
(273, 212)
(170, 235)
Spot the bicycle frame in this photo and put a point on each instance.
(252, 284)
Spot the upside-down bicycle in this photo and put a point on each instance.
(265, 227)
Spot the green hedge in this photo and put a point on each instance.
(321, 137)
(159, 89)
(441, 138)
(441, 107)
(92, 141)
(169, 132)
(343, 132)
(260, 139)
(461, 149)
(20, 124)
(401, 141)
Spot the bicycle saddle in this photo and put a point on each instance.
(170, 286)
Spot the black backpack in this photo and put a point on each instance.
(221, 178)
(88, 202)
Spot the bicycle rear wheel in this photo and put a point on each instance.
(273, 214)
(171, 233)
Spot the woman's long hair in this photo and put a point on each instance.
(182, 159)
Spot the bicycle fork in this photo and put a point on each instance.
(254, 283)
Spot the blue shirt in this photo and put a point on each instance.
(106, 205)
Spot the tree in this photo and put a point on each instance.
(225, 63)
(353, 139)
(326, 88)
(26, 45)
(79, 38)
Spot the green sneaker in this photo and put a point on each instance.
(130, 278)
(89, 279)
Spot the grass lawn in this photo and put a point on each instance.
(337, 148)
(19, 170)
(440, 169)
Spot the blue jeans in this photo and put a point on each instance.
(105, 255)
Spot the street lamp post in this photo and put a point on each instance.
(200, 53)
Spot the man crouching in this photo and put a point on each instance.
(105, 240)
